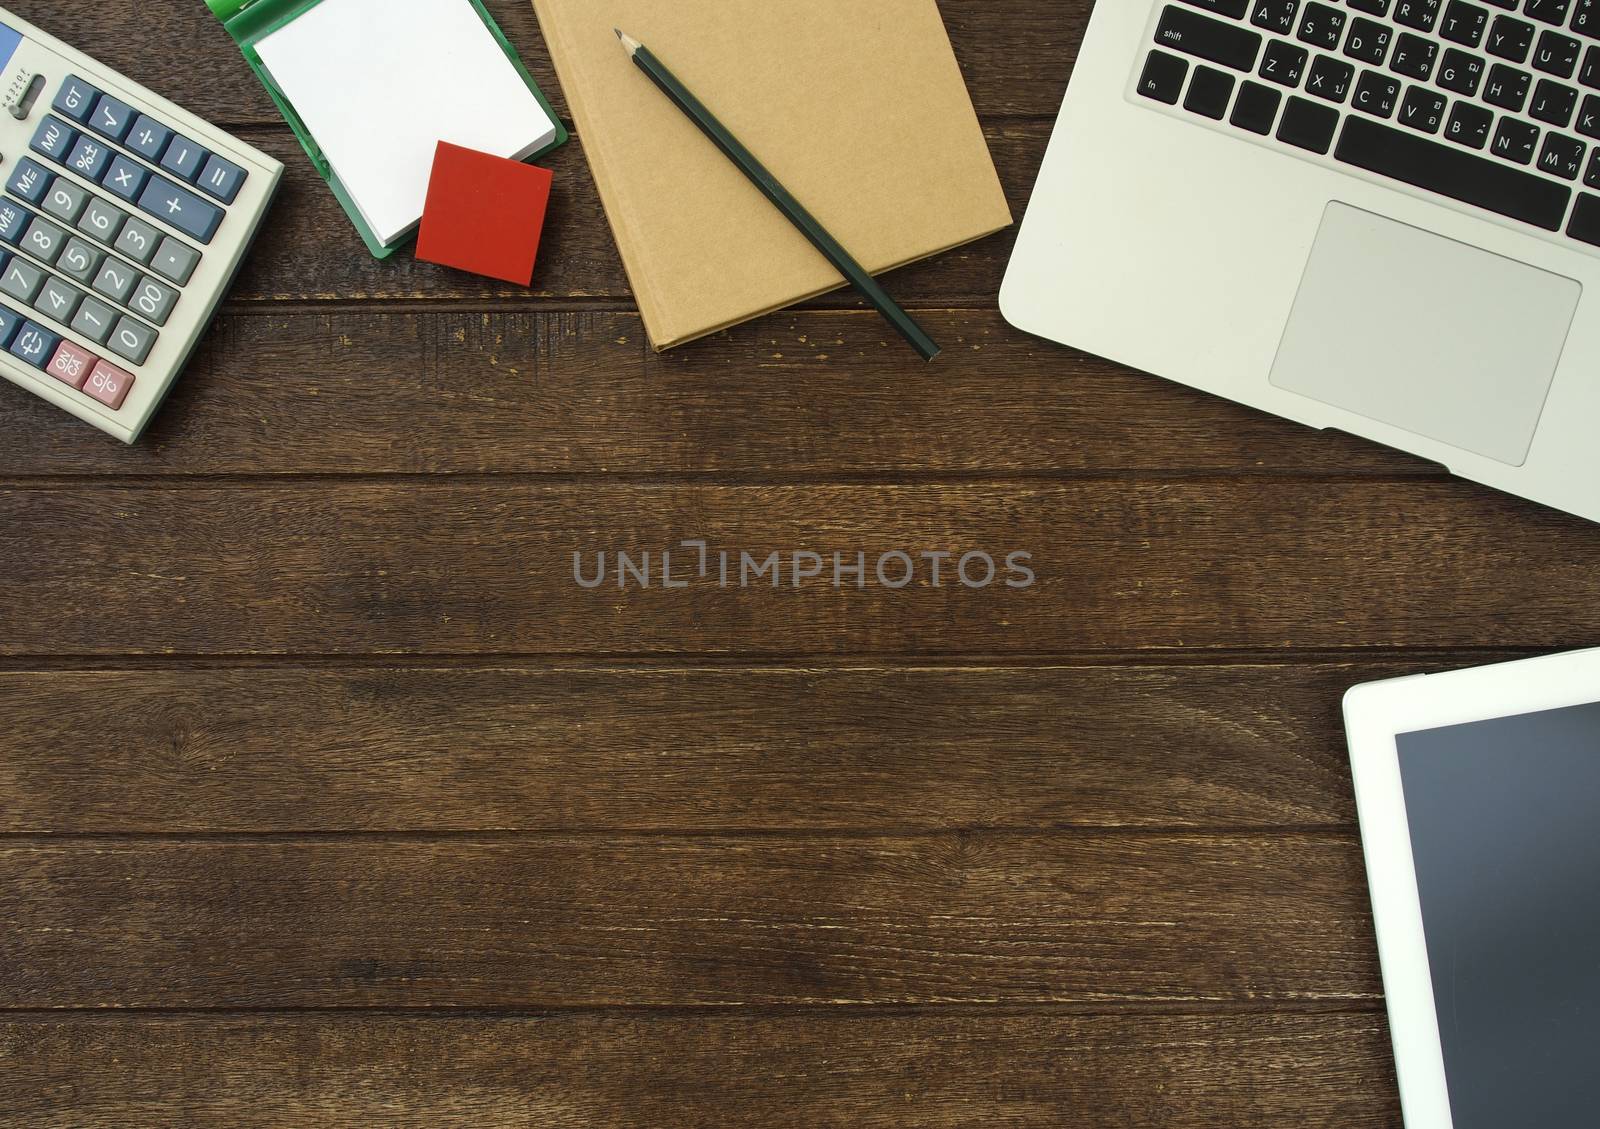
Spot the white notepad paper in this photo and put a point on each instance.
(379, 83)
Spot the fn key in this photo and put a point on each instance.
(1163, 77)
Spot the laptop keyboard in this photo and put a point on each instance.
(1495, 105)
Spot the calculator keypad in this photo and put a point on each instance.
(88, 261)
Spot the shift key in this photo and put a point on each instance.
(1183, 29)
(181, 208)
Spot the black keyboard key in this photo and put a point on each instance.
(1508, 5)
(1209, 93)
(1371, 7)
(1588, 122)
(1515, 141)
(1368, 42)
(1283, 63)
(1507, 87)
(1376, 94)
(1461, 72)
(1550, 11)
(1256, 108)
(1590, 74)
(1469, 125)
(1510, 39)
(1464, 23)
(1414, 56)
(1275, 15)
(1592, 177)
(1321, 26)
(1234, 9)
(1557, 54)
(1562, 156)
(1422, 110)
(1585, 223)
(1163, 77)
(1553, 103)
(1586, 17)
(1308, 125)
(1452, 171)
(1220, 43)
(1420, 14)
(1330, 78)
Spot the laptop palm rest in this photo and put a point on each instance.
(1420, 332)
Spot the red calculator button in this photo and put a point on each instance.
(109, 384)
(71, 365)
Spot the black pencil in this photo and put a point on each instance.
(780, 197)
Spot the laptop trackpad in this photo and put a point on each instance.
(1426, 334)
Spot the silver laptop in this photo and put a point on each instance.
(1381, 216)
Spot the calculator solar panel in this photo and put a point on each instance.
(123, 221)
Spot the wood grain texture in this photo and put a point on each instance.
(1015, 57)
(635, 749)
(804, 394)
(980, 917)
(472, 568)
(821, 1070)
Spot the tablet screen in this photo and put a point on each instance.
(1505, 829)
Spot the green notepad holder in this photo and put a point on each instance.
(250, 21)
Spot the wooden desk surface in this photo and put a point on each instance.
(328, 799)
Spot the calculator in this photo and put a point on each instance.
(124, 219)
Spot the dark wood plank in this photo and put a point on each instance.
(981, 917)
(308, 249)
(819, 393)
(815, 1069)
(336, 748)
(1016, 57)
(488, 567)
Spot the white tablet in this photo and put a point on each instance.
(1479, 798)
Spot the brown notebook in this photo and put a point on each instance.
(857, 106)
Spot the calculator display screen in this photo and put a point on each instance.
(1505, 830)
(9, 42)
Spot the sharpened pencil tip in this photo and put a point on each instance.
(628, 41)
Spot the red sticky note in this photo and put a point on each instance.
(484, 214)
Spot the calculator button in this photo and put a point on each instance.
(10, 322)
(89, 158)
(175, 261)
(54, 139)
(124, 178)
(181, 208)
(112, 118)
(21, 280)
(115, 281)
(184, 158)
(154, 300)
(132, 340)
(138, 240)
(101, 220)
(75, 99)
(221, 179)
(44, 240)
(35, 344)
(148, 138)
(80, 260)
(109, 384)
(95, 320)
(13, 222)
(72, 364)
(59, 300)
(31, 180)
(66, 200)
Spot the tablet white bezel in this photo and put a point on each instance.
(1375, 715)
